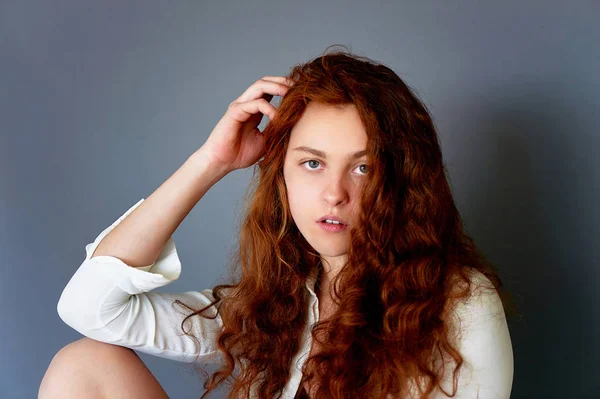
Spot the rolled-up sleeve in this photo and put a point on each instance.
(110, 301)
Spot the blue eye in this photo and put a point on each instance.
(310, 160)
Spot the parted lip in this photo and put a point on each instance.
(332, 217)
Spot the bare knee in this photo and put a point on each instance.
(91, 369)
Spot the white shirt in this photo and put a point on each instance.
(111, 302)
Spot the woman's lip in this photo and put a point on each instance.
(331, 217)
(332, 227)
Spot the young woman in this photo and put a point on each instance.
(354, 277)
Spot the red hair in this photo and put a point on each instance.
(410, 260)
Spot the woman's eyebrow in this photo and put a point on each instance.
(321, 154)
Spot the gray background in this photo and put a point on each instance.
(101, 101)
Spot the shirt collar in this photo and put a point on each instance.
(311, 280)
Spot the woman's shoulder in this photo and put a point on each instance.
(482, 297)
(483, 339)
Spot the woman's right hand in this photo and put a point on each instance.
(236, 142)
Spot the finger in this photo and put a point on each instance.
(241, 112)
(261, 87)
(280, 79)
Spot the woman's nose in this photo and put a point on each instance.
(336, 191)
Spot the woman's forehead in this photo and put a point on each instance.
(329, 129)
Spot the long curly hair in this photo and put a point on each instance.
(410, 260)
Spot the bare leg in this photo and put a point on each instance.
(95, 370)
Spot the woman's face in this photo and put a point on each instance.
(325, 166)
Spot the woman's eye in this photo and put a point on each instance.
(365, 169)
(314, 164)
(311, 162)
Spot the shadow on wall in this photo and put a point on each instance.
(523, 190)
